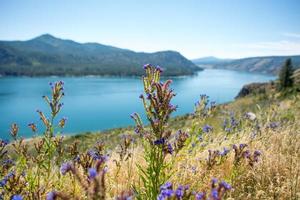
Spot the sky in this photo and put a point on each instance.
(195, 28)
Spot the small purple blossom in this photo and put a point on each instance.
(225, 152)
(146, 66)
(160, 141)
(17, 197)
(225, 185)
(200, 196)
(214, 194)
(92, 173)
(51, 195)
(207, 128)
(66, 167)
(158, 68)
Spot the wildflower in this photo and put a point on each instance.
(17, 197)
(3, 182)
(214, 194)
(200, 196)
(180, 191)
(207, 128)
(169, 149)
(225, 185)
(246, 154)
(146, 66)
(159, 68)
(165, 191)
(243, 146)
(214, 181)
(225, 152)
(51, 195)
(92, 173)
(273, 125)
(159, 141)
(66, 167)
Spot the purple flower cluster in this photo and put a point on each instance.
(3, 143)
(66, 167)
(207, 128)
(7, 178)
(242, 153)
(92, 173)
(217, 191)
(17, 197)
(166, 191)
(51, 195)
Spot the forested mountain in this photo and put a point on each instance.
(47, 55)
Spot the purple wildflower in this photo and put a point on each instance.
(225, 152)
(225, 185)
(170, 148)
(214, 182)
(146, 66)
(179, 192)
(66, 167)
(92, 173)
(207, 128)
(51, 195)
(3, 182)
(165, 191)
(3, 143)
(159, 141)
(200, 196)
(243, 146)
(158, 68)
(167, 185)
(214, 194)
(17, 197)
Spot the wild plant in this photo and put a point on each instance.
(204, 107)
(231, 124)
(217, 192)
(156, 141)
(216, 157)
(92, 181)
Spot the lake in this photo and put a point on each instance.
(98, 103)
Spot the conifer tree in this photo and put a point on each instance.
(285, 75)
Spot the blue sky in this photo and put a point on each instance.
(195, 28)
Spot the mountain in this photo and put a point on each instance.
(210, 60)
(47, 55)
(268, 64)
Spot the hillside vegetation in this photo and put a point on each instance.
(47, 55)
(246, 149)
(267, 64)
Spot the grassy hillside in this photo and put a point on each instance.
(253, 144)
(268, 64)
(47, 55)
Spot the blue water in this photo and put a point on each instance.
(97, 103)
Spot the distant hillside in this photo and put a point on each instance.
(210, 60)
(48, 55)
(269, 65)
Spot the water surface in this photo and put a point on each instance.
(97, 103)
